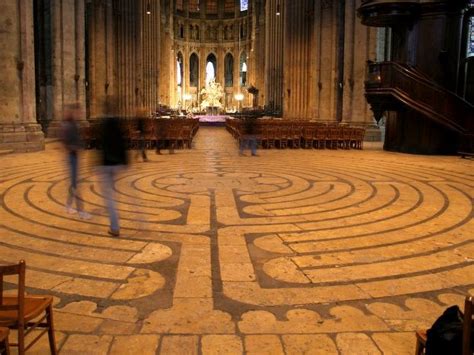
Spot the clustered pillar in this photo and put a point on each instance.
(274, 55)
(68, 61)
(124, 57)
(302, 63)
(298, 78)
(19, 129)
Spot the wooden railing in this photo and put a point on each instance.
(383, 13)
(410, 87)
(371, 2)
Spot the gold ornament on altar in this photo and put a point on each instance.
(212, 95)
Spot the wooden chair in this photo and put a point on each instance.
(296, 134)
(149, 133)
(345, 139)
(187, 136)
(321, 137)
(309, 134)
(26, 313)
(467, 347)
(4, 345)
(174, 136)
(272, 133)
(85, 133)
(357, 138)
(283, 136)
(333, 137)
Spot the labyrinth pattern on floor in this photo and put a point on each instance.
(301, 251)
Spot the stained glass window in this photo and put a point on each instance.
(243, 69)
(211, 68)
(470, 38)
(179, 69)
(244, 5)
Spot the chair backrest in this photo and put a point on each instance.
(322, 132)
(8, 270)
(347, 133)
(467, 326)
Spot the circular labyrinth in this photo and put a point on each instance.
(288, 228)
(386, 227)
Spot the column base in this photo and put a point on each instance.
(54, 128)
(21, 137)
(373, 134)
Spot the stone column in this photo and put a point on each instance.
(274, 54)
(361, 44)
(100, 57)
(257, 50)
(298, 81)
(68, 60)
(166, 43)
(327, 63)
(19, 130)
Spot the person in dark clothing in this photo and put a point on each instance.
(72, 142)
(249, 135)
(141, 120)
(114, 158)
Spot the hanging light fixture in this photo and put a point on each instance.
(148, 8)
(278, 9)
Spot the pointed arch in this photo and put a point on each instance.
(243, 68)
(179, 69)
(194, 70)
(211, 67)
(229, 70)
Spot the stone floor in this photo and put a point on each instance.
(294, 251)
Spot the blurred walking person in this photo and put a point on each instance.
(142, 118)
(114, 158)
(249, 137)
(72, 142)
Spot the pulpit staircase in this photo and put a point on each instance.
(391, 85)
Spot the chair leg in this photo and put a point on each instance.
(51, 337)
(21, 339)
(5, 349)
(419, 348)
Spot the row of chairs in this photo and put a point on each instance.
(300, 134)
(162, 133)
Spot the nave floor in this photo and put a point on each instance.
(294, 251)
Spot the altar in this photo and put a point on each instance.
(213, 110)
(212, 119)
